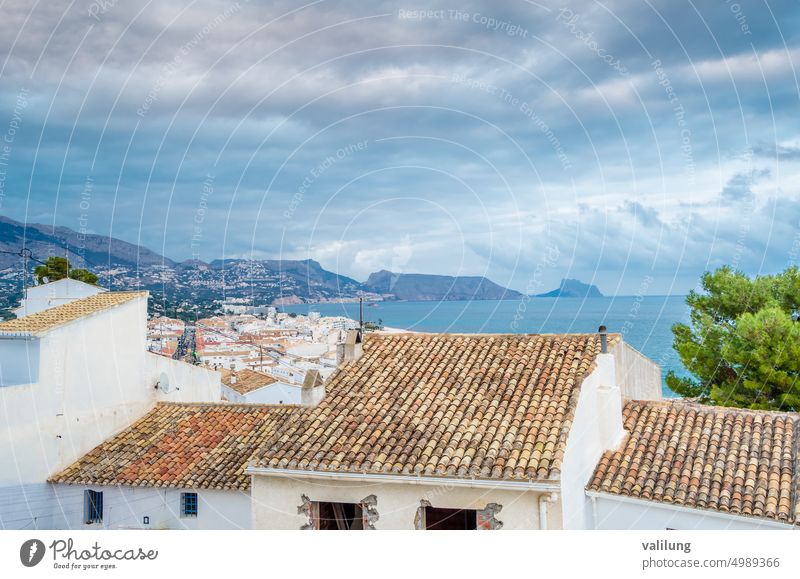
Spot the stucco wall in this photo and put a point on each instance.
(95, 379)
(126, 507)
(46, 506)
(19, 361)
(277, 393)
(90, 386)
(615, 514)
(188, 383)
(596, 427)
(42, 297)
(275, 502)
(638, 377)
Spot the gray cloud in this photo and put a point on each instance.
(491, 133)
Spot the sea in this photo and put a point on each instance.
(644, 321)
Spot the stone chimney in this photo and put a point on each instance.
(603, 339)
(350, 350)
(313, 390)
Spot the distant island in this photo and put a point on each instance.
(573, 288)
(196, 288)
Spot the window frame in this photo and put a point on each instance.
(447, 513)
(93, 507)
(189, 499)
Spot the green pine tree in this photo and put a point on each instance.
(56, 268)
(742, 344)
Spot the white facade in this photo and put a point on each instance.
(138, 508)
(57, 293)
(288, 373)
(596, 427)
(226, 359)
(308, 350)
(276, 498)
(275, 393)
(89, 379)
(612, 512)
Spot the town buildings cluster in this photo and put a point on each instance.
(262, 355)
(316, 426)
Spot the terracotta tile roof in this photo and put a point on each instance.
(482, 406)
(742, 462)
(246, 380)
(183, 446)
(46, 320)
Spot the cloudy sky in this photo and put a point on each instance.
(629, 144)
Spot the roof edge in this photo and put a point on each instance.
(40, 333)
(548, 486)
(695, 510)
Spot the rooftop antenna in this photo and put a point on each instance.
(24, 253)
(361, 315)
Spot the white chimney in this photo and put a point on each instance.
(350, 350)
(609, 398)
(313, 390)
(233, 378)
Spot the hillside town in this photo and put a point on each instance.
(273, 421)
(256, 353)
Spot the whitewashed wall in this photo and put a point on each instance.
(188, 383)
(95, 379)
(19, 361)
(275, 501)
(91, 385)
(277, 393)
(638, 377)
(126, 508)
(617, 513)
(43, 297)
(596, 427)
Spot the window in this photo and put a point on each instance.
(93, 507)
(188, 504)
(450, 519)
(339, 516)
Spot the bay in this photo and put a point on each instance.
(644, 321)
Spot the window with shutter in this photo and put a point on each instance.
(93, 506)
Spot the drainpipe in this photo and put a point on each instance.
(543, 500)
(594, 511)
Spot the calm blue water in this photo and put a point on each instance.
(644, 321)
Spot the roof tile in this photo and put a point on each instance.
(247, 380)
(727, 459)
(48, 319)
(480, 405)
(182, 445)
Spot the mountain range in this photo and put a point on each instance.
(198, 287)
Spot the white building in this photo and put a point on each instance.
(436, 431)
(308, 350)
(129, 482)
(520, 432)
(45, 296)
(250, 387)
(236, 355)
(448, 431)
(71, 376)
(687, 466)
